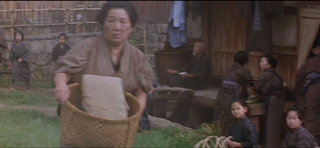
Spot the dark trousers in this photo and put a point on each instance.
(144, 122)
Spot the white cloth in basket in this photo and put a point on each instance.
(103, 97)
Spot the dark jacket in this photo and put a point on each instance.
(244, 132)
(58, 51)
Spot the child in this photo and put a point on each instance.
(298, 136)
(243, 132)
(60, 49)
(19, 57)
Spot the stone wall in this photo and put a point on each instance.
(147, 37)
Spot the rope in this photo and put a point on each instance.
(219, 142)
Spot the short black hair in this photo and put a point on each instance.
(20, 32)
(63, 34)
(127, 6)
(243, 103)
(241, 57)
(271, 60)
(296, 109)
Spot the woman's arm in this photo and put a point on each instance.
(142, 98)
(61, 91)
(11, 55)
(26, 56)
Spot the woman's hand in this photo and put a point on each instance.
(171, 71)
(233, 143)
(61, 91)
(20, 60)
(187, 75)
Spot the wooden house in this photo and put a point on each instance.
(218, 24)
(292, 36)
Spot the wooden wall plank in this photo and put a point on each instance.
(228, 37)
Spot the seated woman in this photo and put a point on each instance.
(297, 136)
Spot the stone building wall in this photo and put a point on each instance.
(147, 37)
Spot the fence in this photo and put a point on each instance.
(52, 20)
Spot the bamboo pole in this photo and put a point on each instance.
(12, 23)
(32, 16)
(57, 24)
(56, 9)
(42, 19)
(49, 19)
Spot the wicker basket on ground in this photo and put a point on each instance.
(80, 129)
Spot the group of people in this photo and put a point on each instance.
(19, 57)
(110, 54)
(244, 133)
(238, 80)
(234, 88)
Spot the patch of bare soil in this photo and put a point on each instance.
(164, 123)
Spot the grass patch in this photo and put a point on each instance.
(39, 96)
(6, 82)
(173, 137)
(34, 98)
(165, 138)
(156, 137)
(28, 129)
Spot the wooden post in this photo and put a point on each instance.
(32, 14)
(145, 41)
(49, 19)
(68, 17)
(12, 21)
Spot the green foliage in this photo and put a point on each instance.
(133, 39)
(173, 137)
(155, 138)
(28, 129)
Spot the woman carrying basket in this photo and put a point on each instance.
(109, 54)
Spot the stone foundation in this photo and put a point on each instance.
(147, 37)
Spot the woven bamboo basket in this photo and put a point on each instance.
(80, 129)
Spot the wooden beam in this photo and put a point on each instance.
(290, 10)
